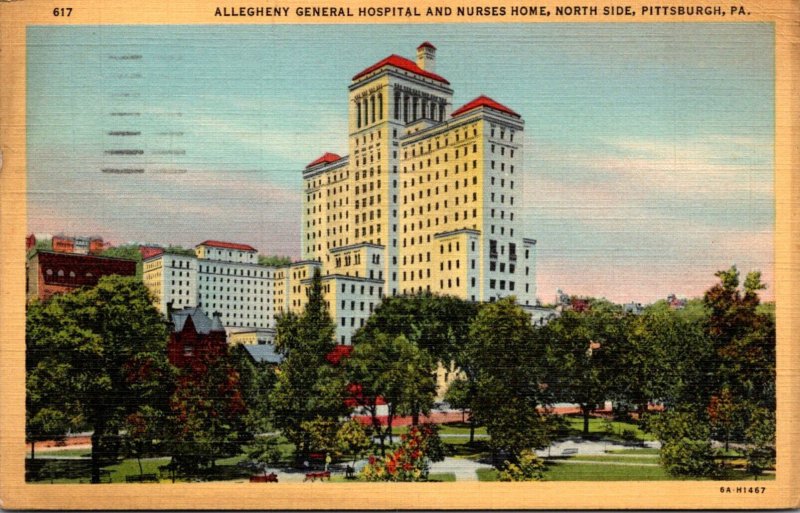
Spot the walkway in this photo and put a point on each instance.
(464, 469)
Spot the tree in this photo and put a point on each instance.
(685, 443)
(256, 381)
(507, 365)
(110, 343)
(51, 410)
(391, 370)
(353, 439)
(580, 348)
(128, 251)
(208, 412)
(459, 396)
(308, 385)
(266, 451)
(744, 338)
(145, 431)
(760, 438)
(274, 260)
(439, 325)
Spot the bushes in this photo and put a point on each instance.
(528, 468)
(410, 461)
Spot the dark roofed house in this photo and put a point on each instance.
(194, 338)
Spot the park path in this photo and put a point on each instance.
(464, 469)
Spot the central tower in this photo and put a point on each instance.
(388, 100)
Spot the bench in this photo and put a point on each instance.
(349, 472)
(569, 452)
(313, 476)
(141, 478)
(269, 478)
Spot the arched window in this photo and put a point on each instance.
(372, 108)
(358, 114)
(380, 105)
(72, 274)
(60, 273)
(49, 272)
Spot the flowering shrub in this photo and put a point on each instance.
(411, 460)
(528, 468)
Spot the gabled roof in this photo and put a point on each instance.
(404, 64)
(327, 158)
(201, 322)
(227, 245)
(483, 101)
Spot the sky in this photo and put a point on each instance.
(648, 147)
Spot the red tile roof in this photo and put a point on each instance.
(484, 101)
(326, 158)
(404, 64)
(227, 245)
(337, 353)
(426, 44)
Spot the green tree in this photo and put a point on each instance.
(274, 260)
(760, 438)
(352, 439)
(685, 443)
(256, 381)
(392, 370)
(580, 352)
(507, 365)
(308, 385)
(266, 451)
(128, 251)
(145, 431)
(460, 395)
(110, 343)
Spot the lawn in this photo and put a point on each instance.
(598, 427)
(648, 451)
(622, 458)
(442, 477)
(61, 452)
(593, 472)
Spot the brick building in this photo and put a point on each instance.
(51, 273)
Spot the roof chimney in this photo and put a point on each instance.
(426, 57)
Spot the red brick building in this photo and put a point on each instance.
(51, 273)
(195, 339)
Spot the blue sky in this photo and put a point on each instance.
(649, 147)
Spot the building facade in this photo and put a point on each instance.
(220, 277)
(429, 198)
(51, 273)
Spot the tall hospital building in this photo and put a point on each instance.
(429, 197)
(428, 200)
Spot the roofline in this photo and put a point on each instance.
(353, 246)
(470, 231)
(81, 255)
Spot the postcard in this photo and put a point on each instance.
(421, 255)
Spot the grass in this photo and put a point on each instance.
(442, 477)
(645, 458)
(61, 452)
(598, 427)
(642, 451)
(452, 428)
(593, 472)
(487, 474)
